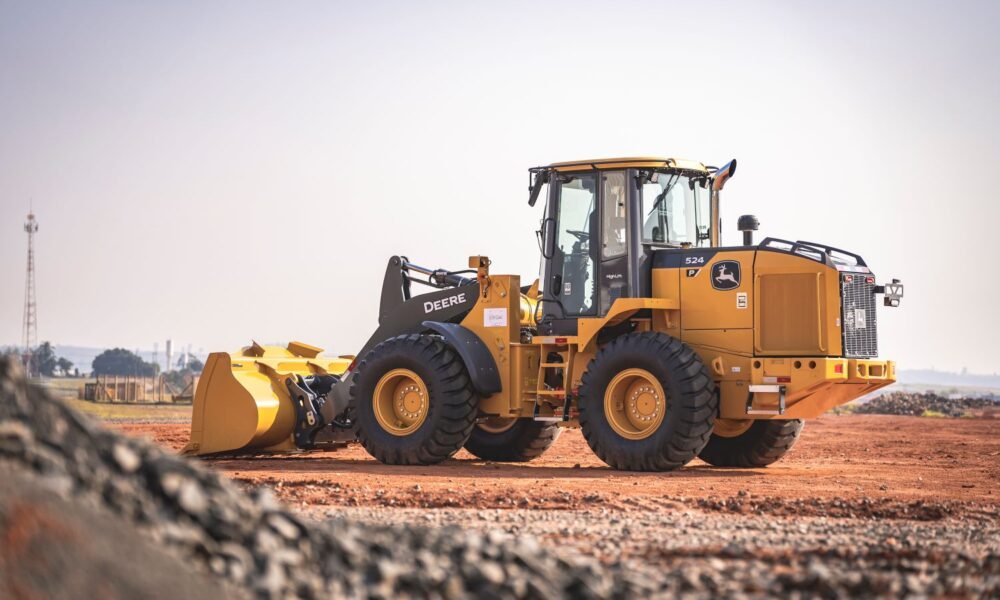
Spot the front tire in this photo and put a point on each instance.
(511, 440)
(647, 403)
(758, 444)
(413, 401)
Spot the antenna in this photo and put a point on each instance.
(30, 325)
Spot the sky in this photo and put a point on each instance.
(216, 172)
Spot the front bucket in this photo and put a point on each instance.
(242, 403)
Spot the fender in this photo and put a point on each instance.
(475, 355)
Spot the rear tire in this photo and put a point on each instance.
(677, 403)
(763, 443)
(521, 441)
(440, 406)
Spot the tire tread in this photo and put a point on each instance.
(763, 444)
(451, 394)
(692, 411)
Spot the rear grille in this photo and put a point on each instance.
(858, 312)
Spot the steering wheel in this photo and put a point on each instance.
(580, 235)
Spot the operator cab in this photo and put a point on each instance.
(603, 221)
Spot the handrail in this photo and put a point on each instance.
(814, 251)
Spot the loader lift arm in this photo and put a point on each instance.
(396, 288)
(401, 312)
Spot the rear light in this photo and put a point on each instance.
(561, 340)
(848, 278)
(869, 280)
(838, 368)
(784, 380)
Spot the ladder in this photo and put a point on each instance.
(561, 395)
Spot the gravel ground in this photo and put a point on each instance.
(736, 554)
(905, 403)
(250, 543)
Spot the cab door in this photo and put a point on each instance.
(587, 262)
(571, 268)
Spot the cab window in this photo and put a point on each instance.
(613, 209)
(676, 210)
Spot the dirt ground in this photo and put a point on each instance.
(841, 465)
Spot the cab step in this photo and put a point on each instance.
(557, 417)
(766, 389)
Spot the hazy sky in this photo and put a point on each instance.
(218, 171)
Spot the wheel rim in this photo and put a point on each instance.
(400, 402)
(730, 428)
(496, 424)
(635, 404)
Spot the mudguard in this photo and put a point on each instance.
(478, 361)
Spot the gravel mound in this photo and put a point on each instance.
(902, 403)
(253, 543)
(52, 546)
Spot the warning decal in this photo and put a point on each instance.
(495, 317)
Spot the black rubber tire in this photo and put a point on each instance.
(525, 440)
(690, 410)
(453, 405)
(764, 443)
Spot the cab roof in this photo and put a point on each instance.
(634, 162)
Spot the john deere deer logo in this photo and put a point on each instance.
(726, 275)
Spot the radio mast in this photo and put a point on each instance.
(30, 329)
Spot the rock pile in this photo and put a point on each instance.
(903, 403)
(253, 543)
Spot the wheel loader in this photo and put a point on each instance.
(642, 330)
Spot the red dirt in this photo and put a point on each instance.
(870, 465)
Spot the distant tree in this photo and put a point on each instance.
(188, 362)
(64, 365)
(44, 360)
(181, 377)
(195, 365)
(119, 361)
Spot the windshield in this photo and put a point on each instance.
(676, 210)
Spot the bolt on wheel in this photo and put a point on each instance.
(400, 402)
(635, 404)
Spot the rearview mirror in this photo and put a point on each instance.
(541, 178)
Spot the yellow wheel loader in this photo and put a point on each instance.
(659, 343)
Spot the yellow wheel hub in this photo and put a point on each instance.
(730, 428)
(635, 404)
(496, 424)
(401, 402)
